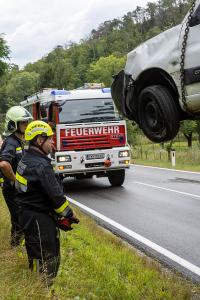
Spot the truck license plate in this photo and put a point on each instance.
(95, 156)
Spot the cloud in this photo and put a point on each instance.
(33, 28)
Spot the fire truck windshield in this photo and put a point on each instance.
(87, 110)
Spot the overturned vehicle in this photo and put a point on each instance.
(160, 85)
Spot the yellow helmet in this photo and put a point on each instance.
(37, 128)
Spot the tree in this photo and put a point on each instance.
(132, 132)
(22, 84)
(188, 127)
(198, 129)
(4, 53)
(104, 68)
(64, 75)
(11, 71)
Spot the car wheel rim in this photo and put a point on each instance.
(153, 117)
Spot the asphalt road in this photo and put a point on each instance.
(161, 205)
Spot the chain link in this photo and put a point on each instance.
(183, 52)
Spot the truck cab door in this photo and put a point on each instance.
(53, 121)
(53, 115)
(36, 111)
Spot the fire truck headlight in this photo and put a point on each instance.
(66, 158)
(124, 153)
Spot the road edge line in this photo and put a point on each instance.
(170, 255)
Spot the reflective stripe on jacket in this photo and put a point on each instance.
(37, 186)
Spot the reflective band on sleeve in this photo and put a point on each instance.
(21, 179)
(62, 207)
(1, 182)
(18, 150)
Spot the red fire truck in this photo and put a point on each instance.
(90, 137)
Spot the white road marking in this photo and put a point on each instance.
(166, 189)
(167, 169)
(177, 259)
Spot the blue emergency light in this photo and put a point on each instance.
(59, 92)
(106, 90)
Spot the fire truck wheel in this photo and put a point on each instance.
(116, 178)
(158, 114)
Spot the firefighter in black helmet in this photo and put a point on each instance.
(42, 201)
(12, 150)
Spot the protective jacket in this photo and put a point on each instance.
(12, 151)
(38, 189)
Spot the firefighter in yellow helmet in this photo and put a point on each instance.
(11, 152)
(43, 205)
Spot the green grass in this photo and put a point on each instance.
(95, 265)
(157, 155)
(166, 164)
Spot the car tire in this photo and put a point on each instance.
(158, 114)
(116, 177)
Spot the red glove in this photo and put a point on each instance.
(65, 223)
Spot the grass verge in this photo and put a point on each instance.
(95, 265)
(163, 164)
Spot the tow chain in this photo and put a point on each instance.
(183, 52)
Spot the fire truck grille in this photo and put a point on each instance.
(94, 165)
(86, 143)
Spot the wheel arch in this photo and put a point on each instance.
(156, 76)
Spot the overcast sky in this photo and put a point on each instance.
(33, 28)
